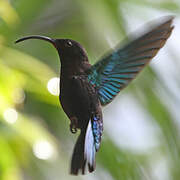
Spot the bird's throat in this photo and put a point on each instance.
(74, 68)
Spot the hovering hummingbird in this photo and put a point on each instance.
(84, 88)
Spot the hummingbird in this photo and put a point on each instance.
(85, 88)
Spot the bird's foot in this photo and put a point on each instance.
(73, 125)
(73, 129)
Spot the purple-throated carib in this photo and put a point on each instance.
(84, 88)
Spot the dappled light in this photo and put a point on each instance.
(43, 149)
(10, 115)
(141, 139)
(53, 86)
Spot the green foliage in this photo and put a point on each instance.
(29, 114)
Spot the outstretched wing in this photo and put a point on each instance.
(114, 72)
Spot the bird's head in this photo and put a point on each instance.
(69, 50)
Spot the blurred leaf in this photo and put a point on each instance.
(7, 13)
(120, 164)
(24, 73)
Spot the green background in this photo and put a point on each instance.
(29, 114)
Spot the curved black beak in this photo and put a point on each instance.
(52, 41)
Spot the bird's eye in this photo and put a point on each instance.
(69, 44)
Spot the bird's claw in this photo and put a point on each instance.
(73, 125)
(73, 129)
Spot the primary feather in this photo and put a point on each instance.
(114, 72)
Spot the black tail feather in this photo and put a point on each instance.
(84, 152)
(78, 162)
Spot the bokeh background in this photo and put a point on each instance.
(141, 138)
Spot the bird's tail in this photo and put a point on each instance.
(84, 152)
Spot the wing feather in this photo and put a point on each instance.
(115, 71)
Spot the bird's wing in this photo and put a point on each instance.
(114, 72)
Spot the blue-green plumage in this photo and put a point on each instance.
(84, 88)
(115, 71)
(97, 127)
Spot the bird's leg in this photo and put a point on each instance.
(73, 125)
